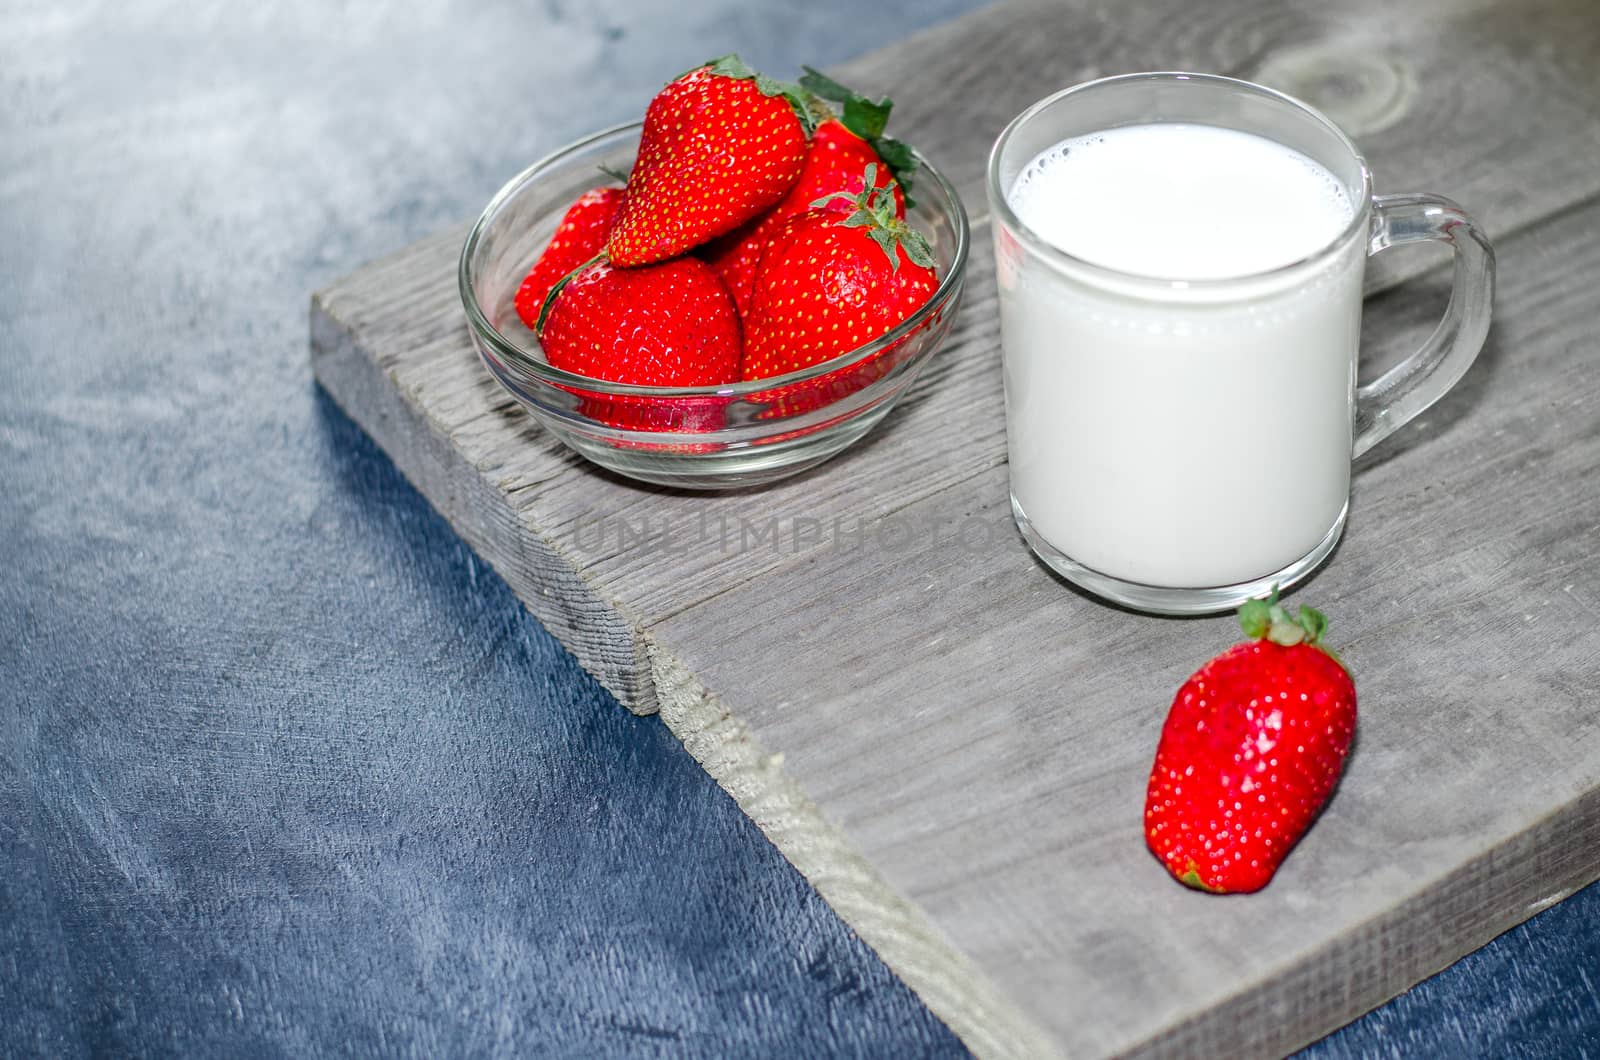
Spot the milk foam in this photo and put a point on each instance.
(1181, 201)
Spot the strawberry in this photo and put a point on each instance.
(580, 236)
(834, 163)
(670, 324)
(841, 149)
(1252, 748)
(828, 283)
(720, 144)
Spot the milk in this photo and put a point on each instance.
(1161, 430)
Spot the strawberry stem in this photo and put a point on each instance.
(1269, 620)
(550, 299)
(874, 211)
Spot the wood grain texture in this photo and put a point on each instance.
(950, 743)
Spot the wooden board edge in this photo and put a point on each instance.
(1494, 892)
(945, 980)
(604, 641)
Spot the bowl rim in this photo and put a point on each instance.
(526, 362)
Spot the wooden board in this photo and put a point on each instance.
(949, 742)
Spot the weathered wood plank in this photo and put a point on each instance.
(962, 738)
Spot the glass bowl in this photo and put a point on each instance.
(717, 437)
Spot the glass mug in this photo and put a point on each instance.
(1180, 446)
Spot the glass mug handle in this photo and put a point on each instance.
(1388, 402)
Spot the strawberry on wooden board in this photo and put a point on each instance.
(579, 237)
(670, 324)
(828, 283)
(1251, 750)
(841, 149)
(720, 144)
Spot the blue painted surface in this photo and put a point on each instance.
(283, 768)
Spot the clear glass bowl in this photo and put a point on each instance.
(696, 437)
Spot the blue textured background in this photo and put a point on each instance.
(283, 768)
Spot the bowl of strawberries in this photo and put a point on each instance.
(729, 292)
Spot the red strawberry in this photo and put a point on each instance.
(580, 236)
(829, 283)
(671, 324)
(835, 163)
(1252, 748)
(720, 145)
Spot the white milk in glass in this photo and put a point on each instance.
(1179, 400)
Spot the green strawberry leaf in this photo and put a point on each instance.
(875, 212)
(1314, 622)
(867, 118)
(896, 154)
(1255, 617)
(819, 83)
(817, 204)
(902, 162)
(887, 242)
(917, 248)
(862, 116)
(729, 65)
(1271, 620)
